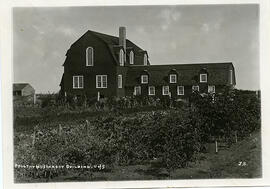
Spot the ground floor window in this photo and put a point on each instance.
(137, 90)
(165, 90)
(78, 82)
(195, 88)
(151, 90)
(120, 82)
(211, 89)
(101, 81)
(180, 90)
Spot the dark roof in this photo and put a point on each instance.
(188, 74)
(19, 86)
(112, 43)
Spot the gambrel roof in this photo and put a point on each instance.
(112, 43)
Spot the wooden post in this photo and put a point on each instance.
(86, 125)
(98, 96)
(236, 140)
(34, 139)
(60, 129)
(216, 146)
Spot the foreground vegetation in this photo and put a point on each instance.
(163, 141)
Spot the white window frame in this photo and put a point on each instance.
(178, 90)
(213, 86)
(201, 76)
(142, 79)
(149, 90)
(120, 81)
(139, 89)
(171, 76)
(145, 58)
(131, 57)
(103, 79)
(87, 58)
(121, 57)
(74, 80)
(195, 86)
(163, 90)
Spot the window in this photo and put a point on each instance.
(180, 90)
(121, 57)
(131, 57)
(211, 89)
(144, 79)
(120, 82)
(101, 81)
(195, 88)
(137, 90)
(151, 90)
(231, 77)
(90, 56)
(78, 82)
(145, 60)
(203, 78)
(165, 90)
(173, 78)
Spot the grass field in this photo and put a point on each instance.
(241, 160)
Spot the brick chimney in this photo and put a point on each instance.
(122, 37)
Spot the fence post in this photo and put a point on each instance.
(60, 129)
(86, 125)
(216, 146)
(236, 140)
(34, 139)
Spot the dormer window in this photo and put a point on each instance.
(131, 57)
(121, 57)
(203, 78)
(145, 60)
(144, 79)
(173, 78)
(89, 56)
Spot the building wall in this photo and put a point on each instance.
(104, 64)
(173, 89)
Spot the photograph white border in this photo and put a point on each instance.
(6, 60)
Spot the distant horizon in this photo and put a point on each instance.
(182, 34)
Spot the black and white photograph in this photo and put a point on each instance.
(136, 93)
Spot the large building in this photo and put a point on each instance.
(103, 65)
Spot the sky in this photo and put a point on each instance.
(171, 34)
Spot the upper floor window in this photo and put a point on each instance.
(211, 89)
(144, 78)
(89, 56)
(78, 82)
(131, 57)
(101, 81)
(203, 78)
(195, 88)
(120, 81)
(151, 90)
(180, 90)
(165, 90)
(173, 78)
(137, 90)
(121, 57)
(145, 59)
